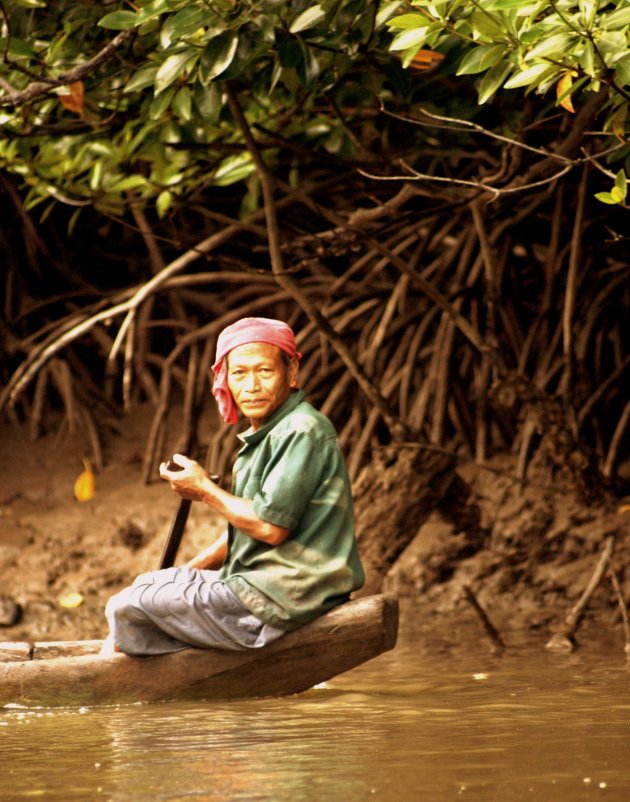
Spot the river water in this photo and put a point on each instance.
(440, 718)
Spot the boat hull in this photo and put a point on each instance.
(73, 674)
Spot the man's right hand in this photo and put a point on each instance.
(186, 477)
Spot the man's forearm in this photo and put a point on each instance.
(192, 482)
(241, 514)
(213, 557)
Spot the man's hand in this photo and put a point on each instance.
(188, 479)
(192, 482)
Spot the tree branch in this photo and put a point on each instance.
(33, 90)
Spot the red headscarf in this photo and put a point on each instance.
(246, 330)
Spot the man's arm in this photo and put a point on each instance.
(213, 557)
(192, 482)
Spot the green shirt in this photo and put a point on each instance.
(293, 470)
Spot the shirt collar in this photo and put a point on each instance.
(250, 436)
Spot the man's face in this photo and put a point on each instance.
(259, 380)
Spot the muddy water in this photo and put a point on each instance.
(438, 719)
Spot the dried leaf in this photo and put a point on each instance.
(85, 484)
(73, 100)
(71, 600)
(425, 60)
(563, 86)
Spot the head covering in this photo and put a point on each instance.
(246, 330)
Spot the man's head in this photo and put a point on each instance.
(260, 379)
(255, 369)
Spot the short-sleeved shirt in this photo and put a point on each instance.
(293, 470)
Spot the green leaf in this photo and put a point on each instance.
(587, 59)
(144, 77)
(528, 76)
(491, 27)
(172, 68)
(141, 134)
(163, 202)
(622, 71)
(438, 8)
(160, 103)
(182, 104)
(492, 81)
(308, 68)
(410, 38)
(408, 22)
(186, 22)
(308, 19)
(383, 16)
(612, 45)
(119, 20)
(127, 183)
(588, 9)
(18, 48)
(154, 9)
(208, 100)
(233, 169)
(95, 175)
(170, 133)
(617, 19)
(217, 56)
(480, 59)
(621, 184)
(556, 46)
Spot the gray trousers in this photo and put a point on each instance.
(174, 608)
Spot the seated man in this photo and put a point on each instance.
(289, 553)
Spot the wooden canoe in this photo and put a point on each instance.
(62, 674)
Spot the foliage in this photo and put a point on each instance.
(444, 254)
(150, 121)
(105, 108)
(570, 48)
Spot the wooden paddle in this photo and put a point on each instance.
(192, 411)
(178, 523)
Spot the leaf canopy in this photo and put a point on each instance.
(151, 80)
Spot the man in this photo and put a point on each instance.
(289, 553)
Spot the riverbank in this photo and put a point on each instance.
(526, 551)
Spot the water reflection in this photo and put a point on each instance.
(434, 720)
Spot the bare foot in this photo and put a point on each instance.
(109, 647)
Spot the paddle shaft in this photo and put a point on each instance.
(178, 525)
(175, 534)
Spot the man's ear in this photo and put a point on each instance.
(294, 366)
